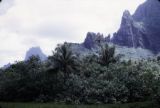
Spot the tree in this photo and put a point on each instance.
(107, 55)
(158, 58)
(63, 59)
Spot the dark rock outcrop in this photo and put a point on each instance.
(92, 40)
(141, 29)
(35, 51)
(131, 33)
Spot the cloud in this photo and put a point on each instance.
(53, 30)
(5, 5)
(45, 23)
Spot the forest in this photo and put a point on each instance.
(93, 79)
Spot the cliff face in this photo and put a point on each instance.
(93, 40)
(141, 29)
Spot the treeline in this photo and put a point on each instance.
(94, 79)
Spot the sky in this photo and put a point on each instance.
(45, 23)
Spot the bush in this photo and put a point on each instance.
(90, 82)
(43, 98)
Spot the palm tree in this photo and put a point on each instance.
(107, 55)
(63, 58)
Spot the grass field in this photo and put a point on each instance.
(52, 105)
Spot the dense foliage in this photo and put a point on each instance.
(91, 80)
(55, 105)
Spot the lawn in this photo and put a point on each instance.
(52, 105)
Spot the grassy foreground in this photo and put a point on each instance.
(52, 105)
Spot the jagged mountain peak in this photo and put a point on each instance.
(142, 29)
(93, 39)
(35, 51)
(127, 19)
(126, 14)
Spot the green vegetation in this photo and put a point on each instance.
(94, 79)
(51, 105)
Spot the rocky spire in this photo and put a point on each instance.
(126, 18)
(92, 40)
(142, 29)
(35, 51)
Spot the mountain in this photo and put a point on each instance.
(6, 66)
(35, 51)
(92, 45)
(138, 36)
(142, 29)
(95, 39)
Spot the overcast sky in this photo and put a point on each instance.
(44, 23)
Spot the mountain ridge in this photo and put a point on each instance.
(142, 29)
(134, 37)
(35, 51)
